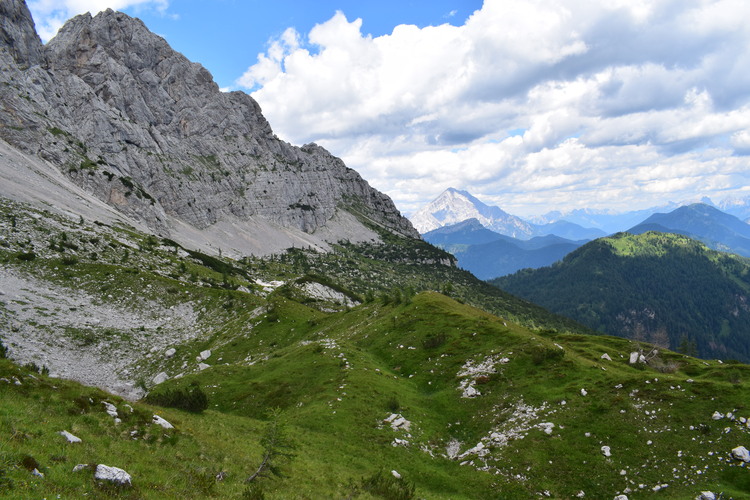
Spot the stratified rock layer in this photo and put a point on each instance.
(140, 127)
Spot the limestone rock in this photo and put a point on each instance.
(170, 352)
(112, 474)
(741, 453)
(141, 128)
(70, 437)
(162, 422)
(159, 378)
(204, 355)
(17, 33)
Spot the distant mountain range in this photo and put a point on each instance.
(662, 288)
(716, 229)
(488, 254)
(490, 242)
(454, 206)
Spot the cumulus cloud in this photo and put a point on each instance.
(534, 104)
(50, 15)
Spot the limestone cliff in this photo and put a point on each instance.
(140, 127)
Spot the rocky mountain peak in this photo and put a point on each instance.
(454, 206)
(17, 33)
(147, 131)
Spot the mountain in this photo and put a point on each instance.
(363, 367)
(607, 221)
(713, 227)
(488, 255)
(459, 236)
(107, 113)
(737, 206)
(664, 288)
(454, 206)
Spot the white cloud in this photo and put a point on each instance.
(50, 15)
(621, 103)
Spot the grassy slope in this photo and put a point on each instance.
(337, 376)
(338, 379)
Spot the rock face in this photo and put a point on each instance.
(140, 127)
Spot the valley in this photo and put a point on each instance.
(191, 307)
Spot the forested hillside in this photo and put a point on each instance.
(663, 288)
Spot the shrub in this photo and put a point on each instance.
(26, 256)
(392, 404)
(434, 341)
(540, 354)
(191, 399)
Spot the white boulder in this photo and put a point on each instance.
(170, 352)
(606, 451)
(112, 474)
(717, 416)
(606, 357)
(396, 474)
(160, 421)
(70, 437)
(621, 497)
(159, 378)
(205, 355)
(706, 495)
(741, 453)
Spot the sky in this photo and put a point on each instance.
(530, 105)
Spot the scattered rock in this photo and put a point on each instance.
(159, 378)
(70, 437)
(396, 474)
(606, 451)
(204, 355)
(706, 495)
(36, 473)
(110, 409)
(633, 357)
(203, 366)
(741, 453)
(606, 357)
(546, 427)
(583, 392)
(112, 474)
(398, 422)
(717, 416)
(160, 421)
(170, 352)
(80, 467)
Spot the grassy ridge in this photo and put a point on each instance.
(342, 381)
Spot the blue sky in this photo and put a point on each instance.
(531, 105)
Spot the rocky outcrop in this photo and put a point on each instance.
(140, 127)
(17, 34)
